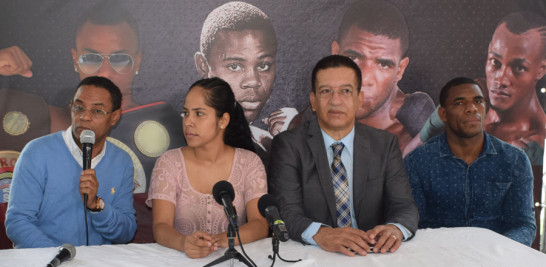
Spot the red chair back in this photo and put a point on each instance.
(5, 242)
(144, 232)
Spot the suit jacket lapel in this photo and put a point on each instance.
(316, 145)
(360, 167)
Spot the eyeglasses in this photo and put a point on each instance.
(91, 62)
(329, 93)
(78, 110)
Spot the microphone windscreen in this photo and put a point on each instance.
(70, 248)
(264, 202)
(87, 137)
(221, 188)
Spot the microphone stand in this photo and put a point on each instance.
(231, 253)
(275, 243)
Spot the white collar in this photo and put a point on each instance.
(77, 152)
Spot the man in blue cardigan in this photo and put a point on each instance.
(46, 201)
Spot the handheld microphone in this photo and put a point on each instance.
(223, 194)
(268, 208)
(87, 139)
(66, 253)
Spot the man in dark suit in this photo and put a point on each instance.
(344, 198)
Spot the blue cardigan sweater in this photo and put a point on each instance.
(45, 207)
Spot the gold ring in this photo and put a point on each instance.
(393, 236)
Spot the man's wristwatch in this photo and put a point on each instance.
(99, 206)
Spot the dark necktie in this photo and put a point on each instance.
(341, 187)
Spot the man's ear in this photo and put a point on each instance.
(116, 115)
(201, 64)
(541, 70)
(402, 68)
(442, 114)
(335, 48)
(138, 59)
(360, 98)
(74, 59)
(312, 100)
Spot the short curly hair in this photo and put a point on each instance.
(235, 16)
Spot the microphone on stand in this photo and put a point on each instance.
(87, 139)
(66, 253)
(268, 208)
(224, 194)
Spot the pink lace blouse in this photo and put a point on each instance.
(197, 211)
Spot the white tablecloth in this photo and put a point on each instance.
(430, 247)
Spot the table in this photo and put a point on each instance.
(430, 247)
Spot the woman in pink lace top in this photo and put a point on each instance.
(185, 215)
